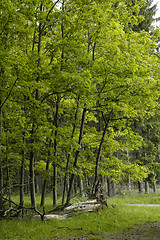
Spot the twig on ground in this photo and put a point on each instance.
(67, 228)
(60, 228)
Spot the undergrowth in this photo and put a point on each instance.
(114, 219)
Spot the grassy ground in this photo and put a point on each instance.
(109, 220)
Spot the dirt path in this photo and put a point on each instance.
(150, 231)
(144, 205)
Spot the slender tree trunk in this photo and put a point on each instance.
(31, 165)
(54, 185)
(1, 172)
(26, 183)
(129, 179)
(65, 178)
(154, 186)
(37, 187)
(44, 189)
(113, 188)
(75, 184)
(22, 176)
(95, 184)
(109, 186)
(31, 171)
(68, 156)
(146, 186)
(8, 177)
(45, 180)
(81, 187)
(1, 177)
(140, 187)
(76, 157)
(103, 184)
(55, 154)
(129, 184)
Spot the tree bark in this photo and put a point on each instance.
(140, 187)
(98, 157)
(22, 176)
(146, 187)
(45, 180)
(154, 186)
(109, 186)
(76, 157)
(1, 171)
(129, 184)
(8, 178)
(55, 153)
(31, 172)
(54, 185)
(81, 187)
(68, 156)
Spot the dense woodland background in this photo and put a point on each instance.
(79, 97)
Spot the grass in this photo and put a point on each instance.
(136, 198)
(108, 220)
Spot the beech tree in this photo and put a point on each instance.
(76, 78)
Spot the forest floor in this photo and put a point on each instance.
(149, 231)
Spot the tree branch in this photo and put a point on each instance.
(51, 9)
(9, 93)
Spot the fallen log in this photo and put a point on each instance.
(87, 206)
(52, 216)
(61, 212)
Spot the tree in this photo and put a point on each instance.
(77, 77)
(147, 11)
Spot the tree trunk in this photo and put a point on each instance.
(81, 187)
(8, 178)
(32, 182)
(95, 184)
(113, 188)
(103, 183)
(55, 153)
(140, 187)
(65, 179)
(54, 185)
(45, 180)
(146, 187)
(68, 156)
(109, 186)
(154, 186)
(22, 177)
(31, 172)
(31, 157)
(75, 184)
(76, 157)
(129, 184)
(26, 183)
(36, 184)
(1, 172)
(129, 179)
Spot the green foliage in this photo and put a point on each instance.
(59, 59)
